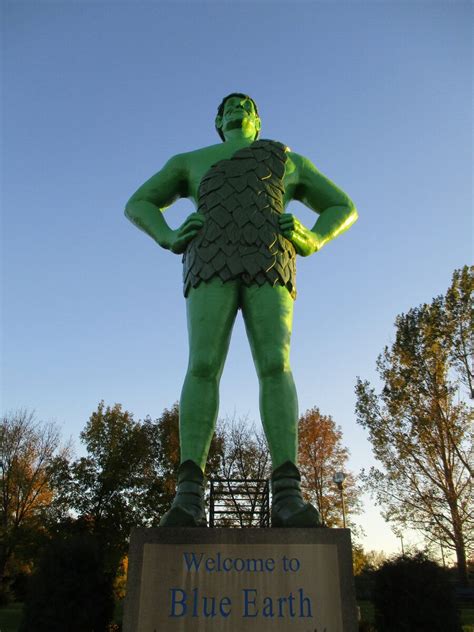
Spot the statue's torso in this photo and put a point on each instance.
(241, 197)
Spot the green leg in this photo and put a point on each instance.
(268, 315)
(211, 310)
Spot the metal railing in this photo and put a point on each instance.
(239, 503)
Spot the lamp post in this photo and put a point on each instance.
(339, 478)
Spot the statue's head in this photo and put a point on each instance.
(237, 110)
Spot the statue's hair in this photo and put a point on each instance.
(220, 109)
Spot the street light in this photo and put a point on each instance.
(339, 478)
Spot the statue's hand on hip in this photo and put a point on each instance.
(180, 238)
(302, 238)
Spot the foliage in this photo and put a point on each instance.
(458, 312)
(366, 560)
(115, 487)
(413, 594)
(420, 426)
(120, 581)
(321, 454)
(30, 452)
(128, 477)
(244, 457)
(71, 590)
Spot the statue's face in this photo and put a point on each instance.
(239, 112)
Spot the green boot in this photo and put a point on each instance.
(288, 506)
(187, 509)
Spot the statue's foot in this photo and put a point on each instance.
(188, 508)
(183, 517)
(288, 506)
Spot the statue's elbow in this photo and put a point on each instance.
(353, 213)
(130, 210)
(128, 214)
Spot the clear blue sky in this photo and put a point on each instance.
(98, 95)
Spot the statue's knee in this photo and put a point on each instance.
(273, 366)
(203, 366)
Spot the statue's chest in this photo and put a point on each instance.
(249, 184)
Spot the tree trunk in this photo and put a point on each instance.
(460, 555)
(459, 545)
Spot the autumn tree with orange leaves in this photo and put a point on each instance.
(321, 454)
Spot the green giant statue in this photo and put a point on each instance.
(239, 252)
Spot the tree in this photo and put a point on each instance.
(459, 324)
(30, 452)
(128, 477)
(420, 425)
(245, 457)
(69, 590)
(366, 560)
(364, 565)
(414, 594)
(117, 485)
(320, 454)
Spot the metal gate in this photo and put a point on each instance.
(239, 503)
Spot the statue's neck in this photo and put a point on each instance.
(238, 137)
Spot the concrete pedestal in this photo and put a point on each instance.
(240, 580)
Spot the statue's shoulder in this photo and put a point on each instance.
(300, 163)
(186, 158)
(202, 152)
(298, 159)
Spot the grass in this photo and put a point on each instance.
(467, 619)
(118, 612)
(10, 617)
(366, 611)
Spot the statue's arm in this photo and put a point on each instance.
(336, 210)
(145, 207)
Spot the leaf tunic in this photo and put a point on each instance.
(241, 199)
